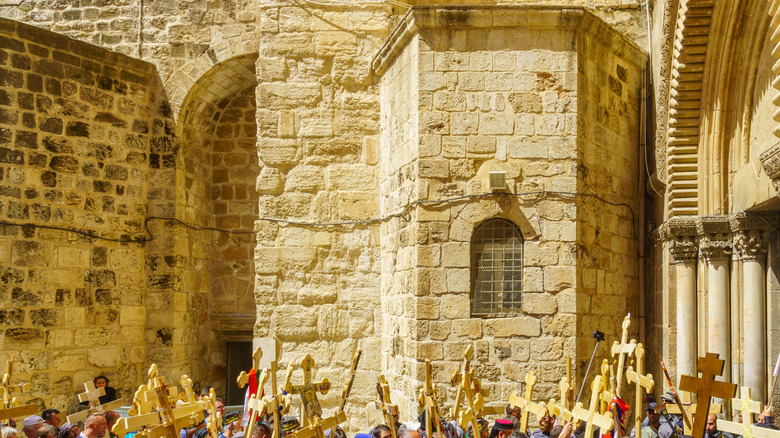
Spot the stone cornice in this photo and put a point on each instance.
(492, 16)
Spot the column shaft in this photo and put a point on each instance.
(686, 318)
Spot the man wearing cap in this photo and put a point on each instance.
(663, 430)
(31, 425)
(502, 428)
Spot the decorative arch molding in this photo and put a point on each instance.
(691, 38)
(469, 217)
(181, 84)
(770, 159)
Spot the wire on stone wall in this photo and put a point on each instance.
(398, 214)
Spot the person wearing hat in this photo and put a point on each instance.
(31, 425)
(663, 430)
(289, 426)
(502, 428)
(69, 430)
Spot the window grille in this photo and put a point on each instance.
(496, 269)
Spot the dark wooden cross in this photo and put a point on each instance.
(709, 366)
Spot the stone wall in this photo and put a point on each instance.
(83, 139)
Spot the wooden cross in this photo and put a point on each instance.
(621, 350)
(562, 411)
(605, 397)
(318, 426)
(243, 376)
(690, 408)
(93, 395)
(591, 416)
(256, 403)
(755, 432)
(709, 366)
(389, 410)
(215, 416)
(469, 388)
(641, 382)
(353, 370)
(10, 408)
(189, 395)
(748, 407)
(538, 409)
(308, 391)
(428, 400)
(279, 402)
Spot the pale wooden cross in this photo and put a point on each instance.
(746, 428)
(621, 350)
(189, 395)
(641, 382)
(606, 396)
(353, 371)
(389, 410)
(428, 400)
(690, 408)
(455, 381)
(591, 416)
(93, 395)
(563, 410)
(308, 391)
(10, 405)
(216, 416)
(243, 377)
(469, 388)
(705, 387)
(257, 404)
(528, 406)
(279, 402)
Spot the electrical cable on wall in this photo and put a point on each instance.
(400, 213)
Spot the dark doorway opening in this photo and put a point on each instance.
(239, 358)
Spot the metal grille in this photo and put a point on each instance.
(496, 269)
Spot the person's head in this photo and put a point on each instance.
(484, 429)
(546, 423)
(111, 418)
(513, 411)
(410, 433)
(502, 428)
(47, 431)
(261, 430)
(51, 416)
(65, 430)
(95, 425)
(31, 425)
(219, 407)
(8, 432)
(382, 431)
(100, 381)
(653, 416)
(712, 423)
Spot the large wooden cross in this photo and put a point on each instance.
(308, 391)
(641, 382)
(690, 409)
(93, 395)
(257, 404)
(469, 388)
(527, 406)
(351, 380)
(215, 417)
(428, 400)
(243, 376)
(606, 395)
(10, 408)
(748, 407)
(591, 416)
(188, 396)
(563, 409)
(621, 350)
(705, 387)
(389, 410)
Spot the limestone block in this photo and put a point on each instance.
(468, 328)
(451, 61)
(464, 123)
(430, 145)
(454, 147)
(430, 168)
(456, 255)
(521, 147)
(557, 278)
(539, 304)
(461, 230)
(453, 350)
(428, 255)
(449, 101)
(288, 96)
(104, 357)
(294, 19)
(433, 81)
(508, 327)
(525, 102)
(455, 306)
(357, 205)
(132, 315)
(332, 323)
(481, 146)
(480, 61)
(430, 350)
(270, 69)
(305, 178)
(458, 280)
(471, 81)
(125, 259)
(370, 149)
(277, 151)
(564, 231)
(541, 253)
(427, 308)
(499, 81)
(435, 122)
(31, 253)
(546, 348)
(335, 43)
(504, 60)
(559, 325)
(349, 177)
(440, 330)
(294, 323)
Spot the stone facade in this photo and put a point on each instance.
(305, 133)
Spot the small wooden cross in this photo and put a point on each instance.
(428, 400)
(10, 405)
(189, 395)
(538, 409)
(606, 396)
(591, 416)
(308, 391)
(243, 376)
(256, 403)
(705, 386)
(93, 395)
(389, 410)
(641, 382)
(279, 402)
(621, 350)
(348, 385)
(562, 411)
(690, 408)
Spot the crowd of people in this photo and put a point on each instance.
(657, 424)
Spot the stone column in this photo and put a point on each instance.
(684, 250)
(751, 247)
(716, 251)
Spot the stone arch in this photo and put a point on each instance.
(469, 217)
(216, 169)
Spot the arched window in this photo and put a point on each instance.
(496, 269)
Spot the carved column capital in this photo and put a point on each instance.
(770, 161)
(684, 248)
(716, 247)
(751, 244)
